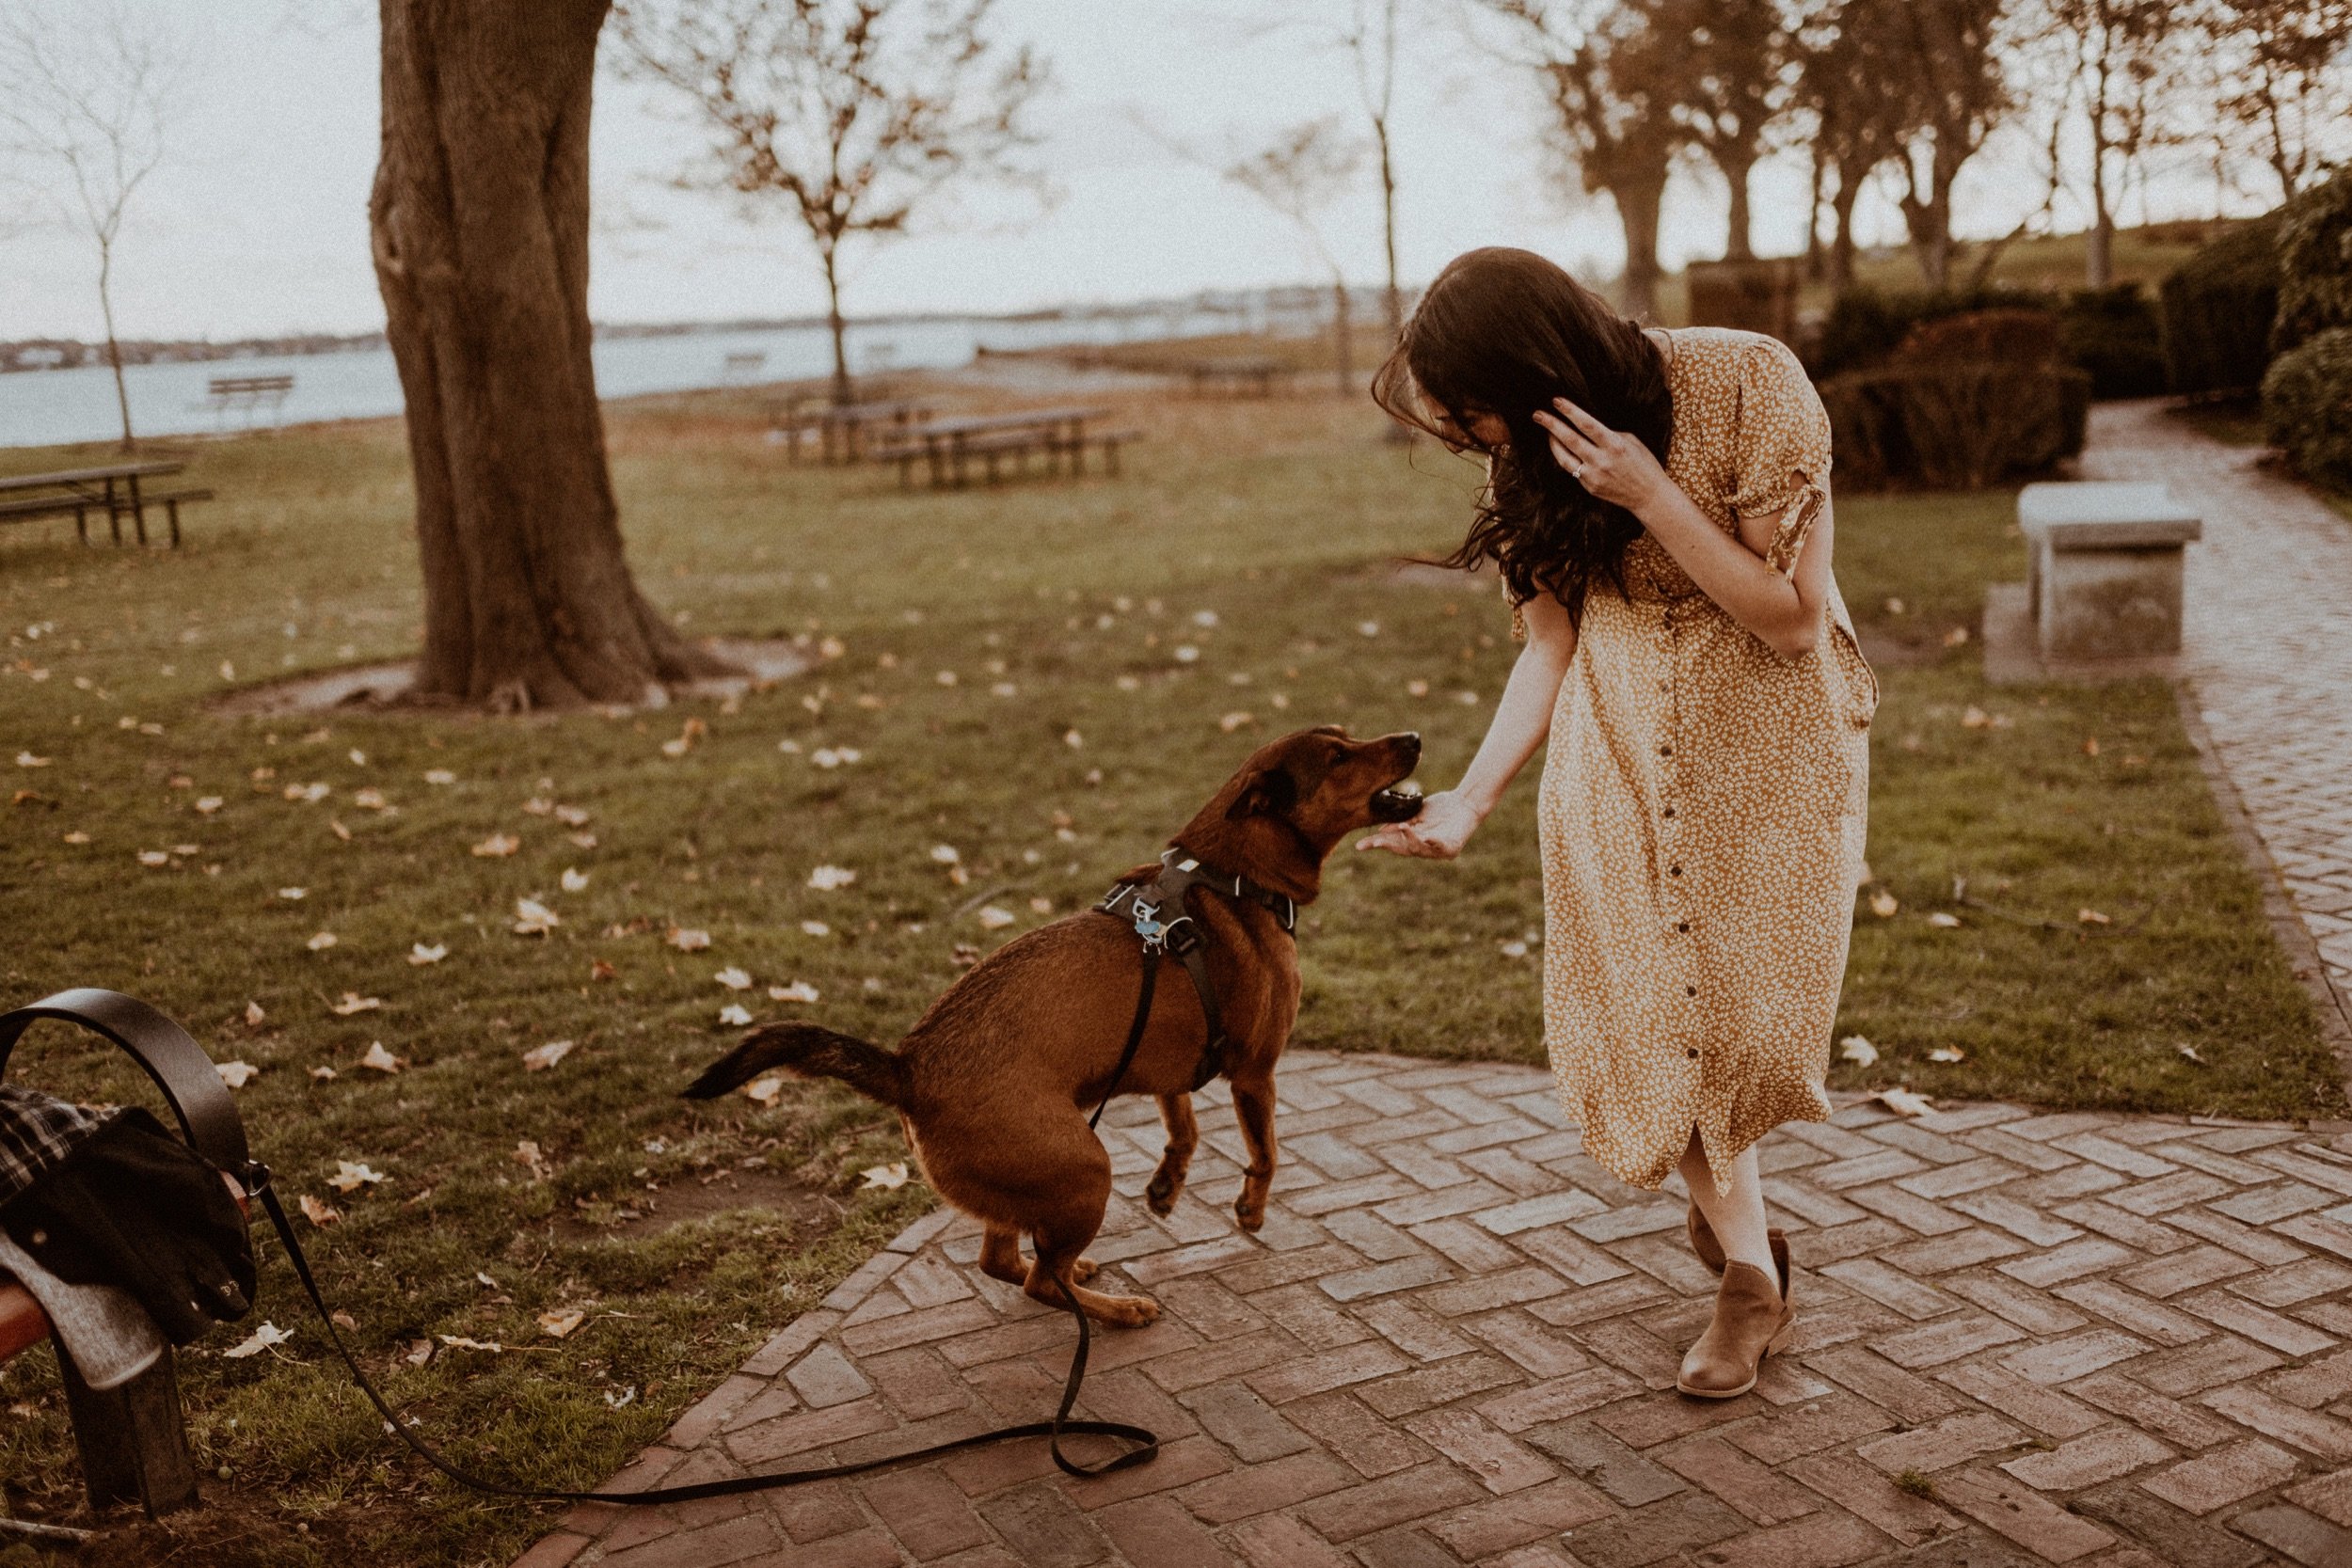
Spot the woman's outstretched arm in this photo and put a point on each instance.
(1522, 720)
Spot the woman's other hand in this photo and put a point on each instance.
(1611, 465)
(1446, 821)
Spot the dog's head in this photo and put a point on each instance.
(1296, 798)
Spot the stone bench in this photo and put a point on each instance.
(2105, 578)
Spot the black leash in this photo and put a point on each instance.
(194, 1090)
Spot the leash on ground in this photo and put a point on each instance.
(1146, 1442)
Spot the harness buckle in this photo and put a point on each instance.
(1148, 928)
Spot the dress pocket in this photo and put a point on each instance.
(1861, 682)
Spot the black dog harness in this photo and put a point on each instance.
(1157, 913)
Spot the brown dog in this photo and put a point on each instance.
(996, 1083)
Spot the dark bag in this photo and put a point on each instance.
(135, 1208)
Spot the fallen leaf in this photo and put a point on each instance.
(626, 1397)
(534, 919)
(735, 1013)
(419, 1352)
(1903, 1103)
(734, 979)
(556, 1325)
(2190, 1052)
(1944, 922)
(571, 816)
(1947, 1053)
(798, 990)
(209, 804)
(890, 1176)
(689, 942)
(253, 1015)
(1073, 739)
(498, 845)
(765, 1090)
(829, 879)
(993, 919)
(539, 805)
(1369, 628)
(2090, 745)
(815, 928)
(420, 955)
(482, 1278)
(439, 776)
(254, 1343)
(1853, 1048)
(359, 757)
(1884, 904)
(235, 1074)
(583, 841)
(1894, 606)
(1041, 905)
(1416, 688)
(382, 1060)
(338, 830)
(294, 893)
(541, 1057)
(573, 881)
(26, 759)
(324, 1075)
(1515, 949)
(600, 970)
(1956, 637)
(77, 836)
(2091, 917)
(154, 857)
(459, 1341)
(343, 1320)
(321, 943)
(1974, 717)
(945, 854)
(352, 1174)
(1235, 720)
(318, 1211)
(355, 1002)
(371, 799)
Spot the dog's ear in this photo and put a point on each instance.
(1267, 792)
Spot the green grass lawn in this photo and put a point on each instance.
(1010, 667)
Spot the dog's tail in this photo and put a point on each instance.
(807, 1050)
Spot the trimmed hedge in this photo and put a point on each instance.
(1955, 424)
(2111, 333)
(2314, 265)
(2306, 405)
(2216, 310)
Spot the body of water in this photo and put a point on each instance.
(50, 407)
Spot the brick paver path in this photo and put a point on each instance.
(2268, 650)
(2023, 1338)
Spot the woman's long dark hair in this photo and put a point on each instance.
(1504, 332)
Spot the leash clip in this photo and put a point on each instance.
(1147, 926)
(255, 1178)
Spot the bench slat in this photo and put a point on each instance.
(23, 1323)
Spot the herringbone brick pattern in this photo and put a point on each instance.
(2081, 1339)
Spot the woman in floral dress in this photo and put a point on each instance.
(1658, 508)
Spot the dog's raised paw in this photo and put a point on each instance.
(1084, 1269)
(1250, 1218)
(1161, 1198)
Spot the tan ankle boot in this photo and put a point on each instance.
(1752, 1321)
(1711, 1251)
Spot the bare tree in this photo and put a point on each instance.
(1730, 90)
(1848, 85)
(2277, 68)
(1947, 55)
(478, 219)
(84, 113)
(1306, 170)
(853, 114)
(2116, 58)
(1608, 74)
(1371, 41)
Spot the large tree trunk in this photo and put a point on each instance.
(1739, 245)
(1841, 246)
(1638, 205)
(1343, 336)
(843, 393)
(480, 224)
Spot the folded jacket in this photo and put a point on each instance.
(109, 1335)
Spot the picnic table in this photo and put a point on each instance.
(1252, 374)
(248, 392)
(948, 446)
(114, 489)
(843, 430)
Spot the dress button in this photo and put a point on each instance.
(1669, 811)
(1690, 991)
(1673, 871)
(1682, 925)
(1693, 1053)
(1665, 751)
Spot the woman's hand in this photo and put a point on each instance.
(1445, 824)
(1611, 466)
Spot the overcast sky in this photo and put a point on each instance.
(257, 224)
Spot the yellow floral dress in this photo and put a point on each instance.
(1702, 806)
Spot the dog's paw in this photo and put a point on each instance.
(1161, 1196)
(1126, 1311)
(1084, 1269)
(1250, 1216)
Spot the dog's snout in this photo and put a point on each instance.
(1410, 740)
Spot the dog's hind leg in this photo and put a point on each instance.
(1058, 1258)
(1000, 1257)
(1183, 1136)
(1254, 1108)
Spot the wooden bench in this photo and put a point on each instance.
(1251, 376)
(113, 491)
(249, 393)
(133, 1439)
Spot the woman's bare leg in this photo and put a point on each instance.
(1737, 1217)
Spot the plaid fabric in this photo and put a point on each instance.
(37, 1134)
